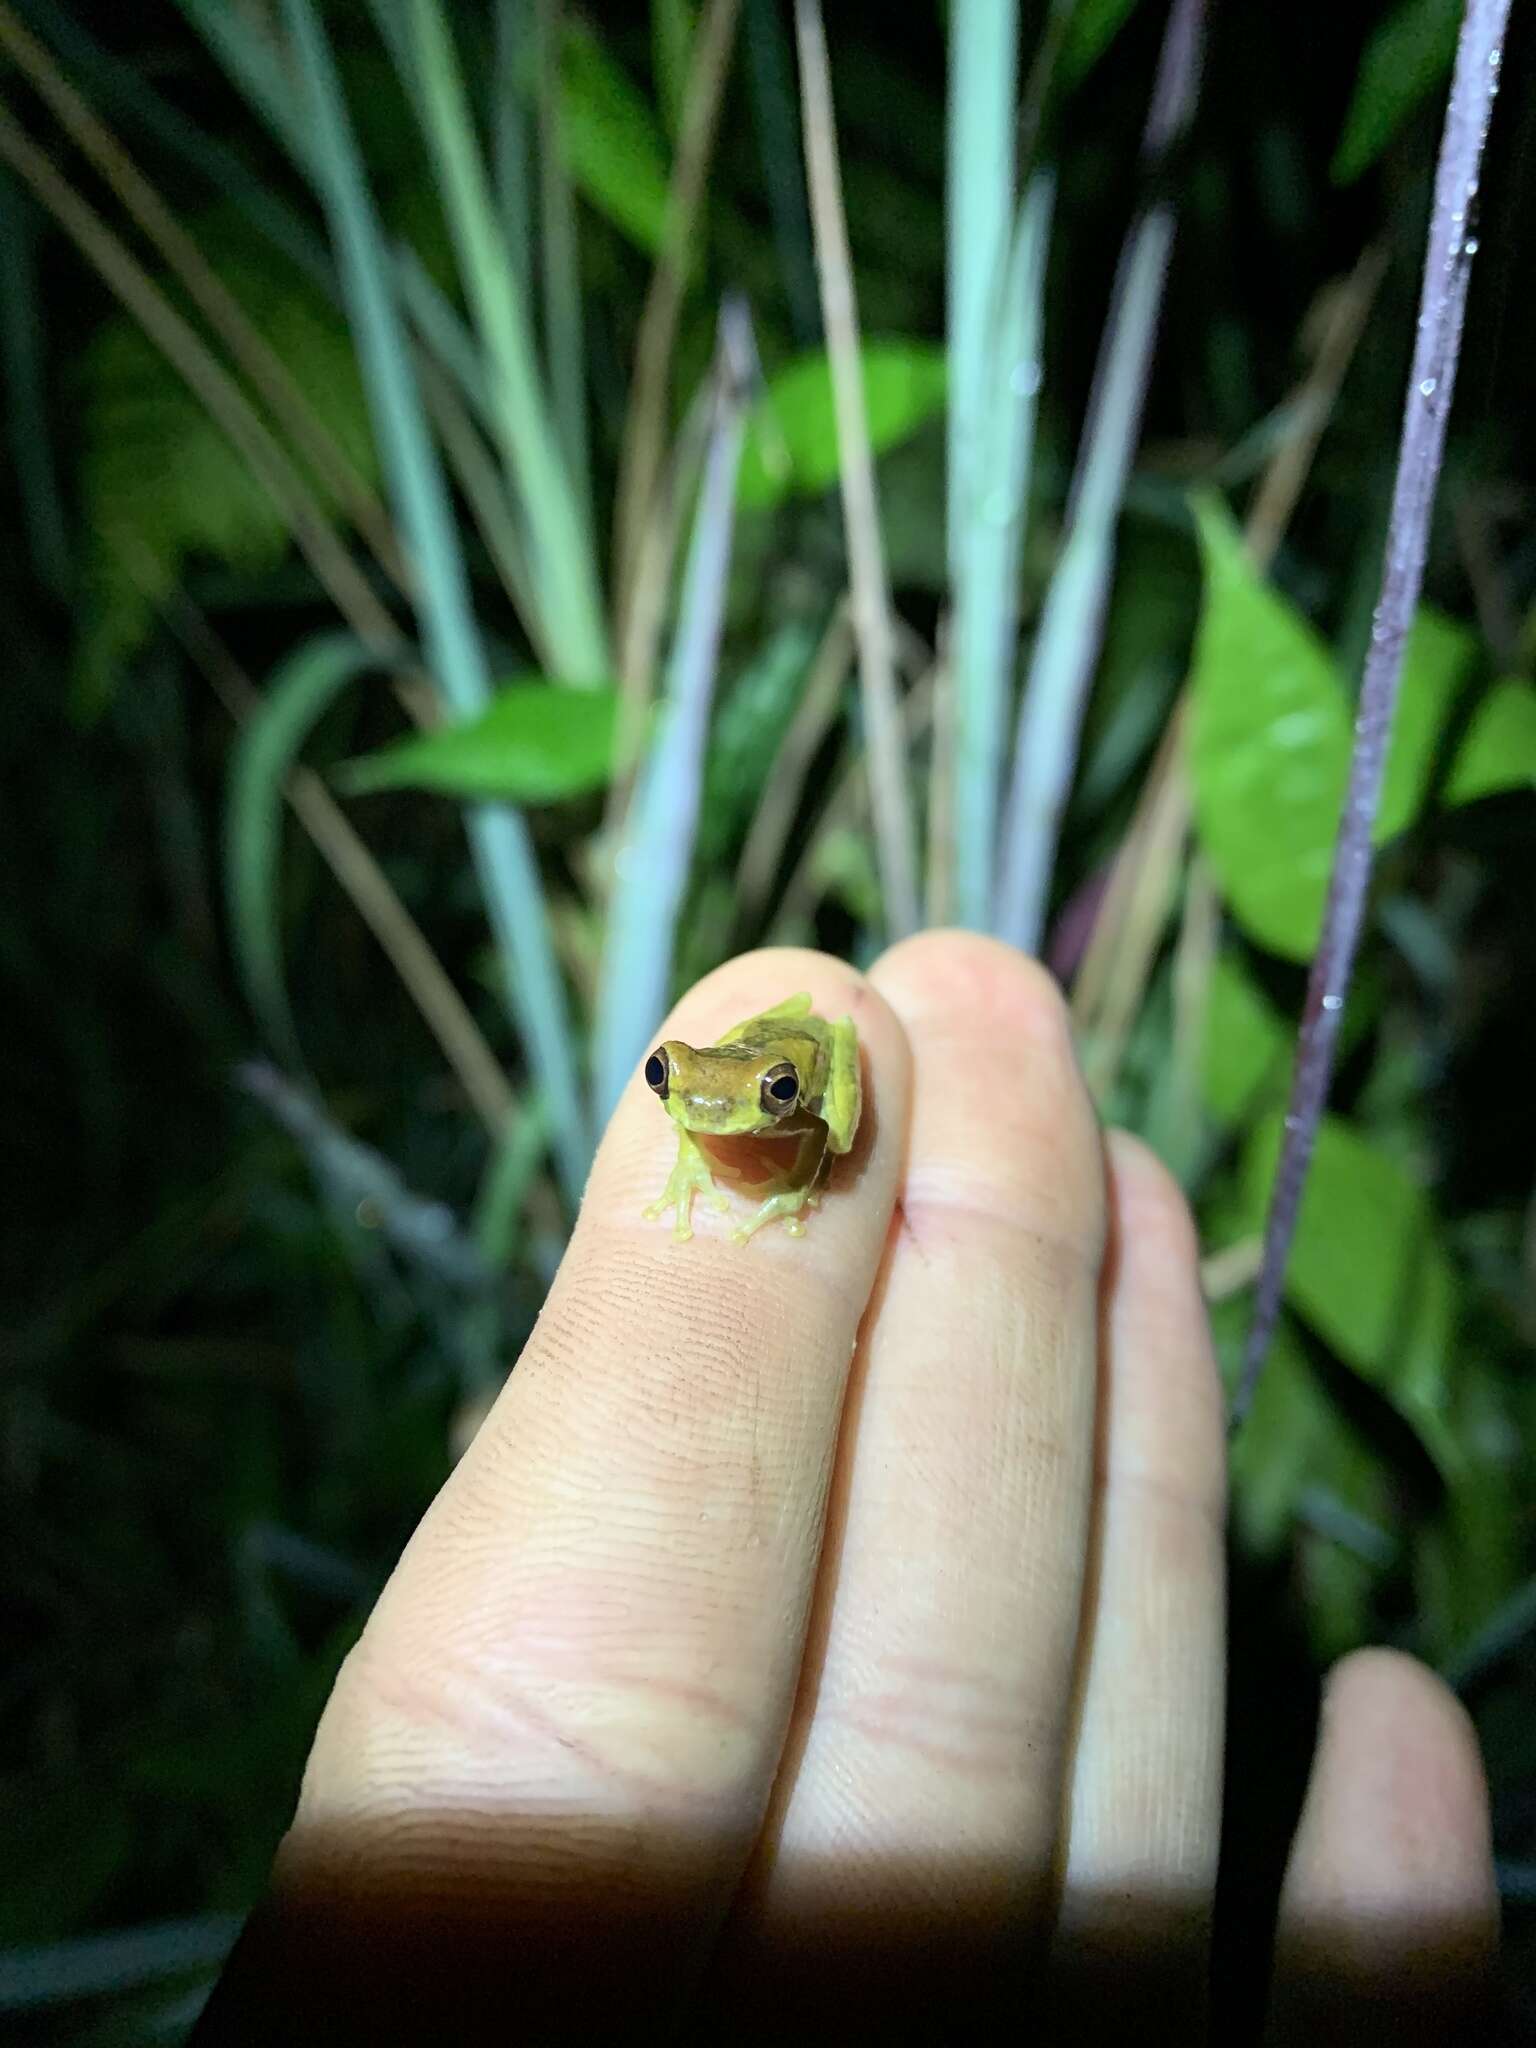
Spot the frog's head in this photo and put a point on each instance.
(726, 1090)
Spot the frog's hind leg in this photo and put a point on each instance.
(842, 1099)
(692, 1175)
(801, 1189)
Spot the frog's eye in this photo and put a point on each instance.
(656, 1074)
(780, 1089)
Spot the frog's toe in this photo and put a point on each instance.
(793, 1227)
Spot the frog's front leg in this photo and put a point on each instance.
(801, 1190)
(692, 1175)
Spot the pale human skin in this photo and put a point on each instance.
(825, 1636)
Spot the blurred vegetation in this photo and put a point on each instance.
(288, 1169)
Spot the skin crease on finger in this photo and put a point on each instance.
(575, 1686)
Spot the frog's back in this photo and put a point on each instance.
(791, 1031)
(759, 1029)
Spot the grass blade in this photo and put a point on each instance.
(298, 697)
(268, 374)
(890, 794)
(27, 422)
(365, 883)
(226, 402)
(516, 81)
(645, 422)
(992, 506)
(505, 1188)
(94, 1965)
(565, 348)
(781, 154)
(652, 867)
(127, 96)
(565, 575)
(253, 64)
(1432, 379)
(1071, 624)
(424, 1232)
(763, 849)
(474, 470)
(979, 192)
(504, 854)
(439, 326)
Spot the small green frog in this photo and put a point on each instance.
(786, 1073)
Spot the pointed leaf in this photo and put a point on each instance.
(791, 447)
(1369, 1272)
(1245, 1043)
(1439, 653)
(615, 154)
(1093, 26)
(1269, 747)
(1270, 740)
(535, 744)
(1499, 751)
(1406, 58)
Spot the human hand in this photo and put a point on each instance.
(829, 1633)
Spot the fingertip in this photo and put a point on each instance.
(1408, 1744)
(1007, 1128)
(1149, 1204)
(993, 984)
(1389, 1911)
(1165, 1413)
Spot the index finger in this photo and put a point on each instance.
(572, 1695)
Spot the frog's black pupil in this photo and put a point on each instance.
(784, 1089)
(655, 1071)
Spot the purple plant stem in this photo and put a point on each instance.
(1442, 306)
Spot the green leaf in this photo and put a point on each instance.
(1469, 1557)
(1405, 59)
(616, 157)
(792, 430)
(1272, 1456)
(535, 744)
(159, 481)
(1368, 1271)
(1269, 747)
(1439, 653)
(1271, 735)
(1092, 28)
(1298, 1466)
(1499, 750)
(298, 696)
(1245, 1043)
